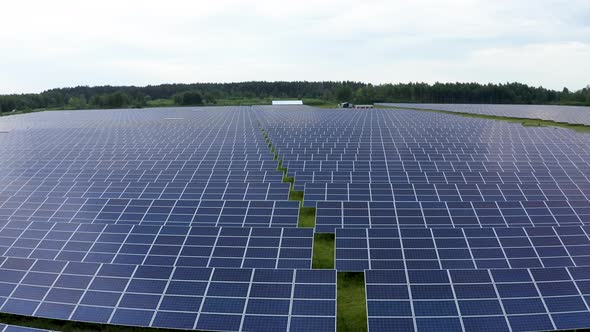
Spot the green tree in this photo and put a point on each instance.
(77, 102)
(189, 98)
(344, 93)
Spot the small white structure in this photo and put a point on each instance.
(287, 102)
(363, 106)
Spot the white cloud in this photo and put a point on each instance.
(552, 65)
(48, 44)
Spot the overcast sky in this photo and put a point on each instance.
(58, 43)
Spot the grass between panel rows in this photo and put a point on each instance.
(306, 214)
(323, 251)
(351, 312)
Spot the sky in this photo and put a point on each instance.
(60, 43)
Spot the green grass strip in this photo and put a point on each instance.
(306, 217)
(306, 214)
(323, 251)
(351, 302)
(526, 122)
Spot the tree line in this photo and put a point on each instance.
(82, 97)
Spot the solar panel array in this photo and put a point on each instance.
(169, 297)
(458, 223)
(558, 113)
(478, 300)
(178, 218)
(16, 328)
(173, 218)
(461, 248)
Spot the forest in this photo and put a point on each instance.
(85, 97)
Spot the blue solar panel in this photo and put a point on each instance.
(246, 213)
(160, 245)
(374, 214)
(475, 300)
(15, 328)
(168, 297)
(569, 114)
(468, 248)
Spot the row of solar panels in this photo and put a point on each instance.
(410, 163)
(238, 165)
(205, 176)
(332, 215)
(466, 175)
(570, 114)
(356, 249)
(16, 328)
(376, 213)
(151, 212)
(361, 249)
(478, 300)
(316, 193)
(167, 297)
(213, 191)
(164, 245)
(144, 177)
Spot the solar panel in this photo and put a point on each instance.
(467, 248)
(559, 113)
(16, 328)
(160, 245)
(269, 213)
(171, 297)
(478, 300)
(445, 192)
(373, 214)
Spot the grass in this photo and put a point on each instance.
(526, 122)
(243, 101)
(21, 112)
(306, 214)
(319, 103)
(351, 302)
(160, 103)
(323, 251)
(306, 217)
(295, 195)
(69, 326)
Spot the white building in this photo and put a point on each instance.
(287, 102)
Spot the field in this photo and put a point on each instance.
(252, 218)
